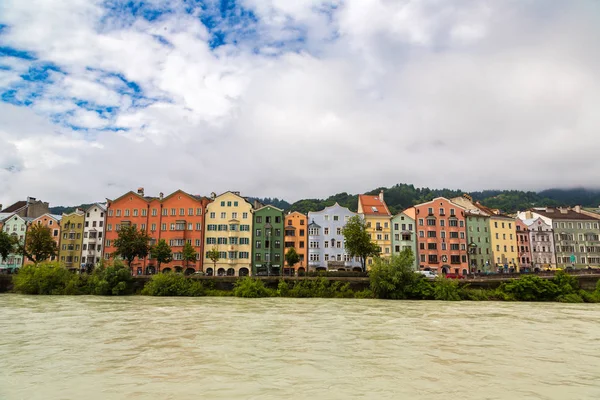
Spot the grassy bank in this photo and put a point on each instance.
(392, 280)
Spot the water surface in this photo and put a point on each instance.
(227, 348)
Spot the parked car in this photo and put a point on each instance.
(455, 276)
(427, 274)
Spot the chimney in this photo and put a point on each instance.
(161, 195)
(577, 209)
(213, 195)
(381, 196)
(140, 191)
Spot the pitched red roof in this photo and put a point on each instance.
(371, 204)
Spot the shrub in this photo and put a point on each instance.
(251, 288)
(532, 288)
(320, 287)
(46, 278)
(364, 294)
(588, 297)
(446, 289)
(570, 298)
(394, 278)
(113, 280)
(283, 289)
(172, 284)
(477, 294)
(567, 284)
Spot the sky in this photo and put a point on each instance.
(295, 99)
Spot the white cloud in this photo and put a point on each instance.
(463, 94)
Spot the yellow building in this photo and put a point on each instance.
(228, 222)
(377, 217)
(503, 239)
(69, 252)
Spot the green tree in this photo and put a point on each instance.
(7, 245)
(292, 257)
(162, 253)
(214, 256)
(395, 279)
(188, 254)
(358, 240)
(132, 243)
(39, 244)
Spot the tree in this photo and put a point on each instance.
(7, 245)
(188, 254)
(39, 244)
(292, 257)
(358, 240)
(132, 243)
(214, 256)
(395, 278)
(162, 253)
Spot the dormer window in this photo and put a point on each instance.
(374, 209)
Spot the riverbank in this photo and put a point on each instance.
(388, 283)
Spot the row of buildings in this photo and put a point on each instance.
(455, 235)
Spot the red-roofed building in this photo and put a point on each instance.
(377, 217)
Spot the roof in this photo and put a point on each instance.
(102, 206)
(53, 216)
(336, 205)
(372, 205)
(15, 207)
(567, 214)
(4, 215)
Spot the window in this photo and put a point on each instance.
(314, 245)
(212, 215)
(258, 233)
(190, 211)
(258, 219)
(244, 215)
(335, 218)
(223, 215)
(421, 221)
(198, 226)
(163, 226)
(198, 211)
(326, 231)
(234, 215)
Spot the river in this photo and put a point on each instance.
(227, 348)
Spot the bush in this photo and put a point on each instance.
(567, 284)
(173, 284)
(446, 289)
(283, 289)
(570, 298)
(114, 280)
(588, 297)
(251, 288)
(532, 288)
(364, 294)
(394, 278)
(46, 278)
(347, 274)
(320, 287)
(477, 294)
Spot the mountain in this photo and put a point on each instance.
(402, 196)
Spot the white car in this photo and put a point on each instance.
(427, 274)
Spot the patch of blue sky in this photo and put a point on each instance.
(41, 72)
(5, 67)
(18, 98)
(6, 51)
(103, 111)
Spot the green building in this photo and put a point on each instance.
(404, 234)
(267, 239)
(481, 258)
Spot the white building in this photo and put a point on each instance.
(93, 234)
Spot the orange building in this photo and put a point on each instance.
(52, 222)
(295, 236)
(442, 236)
(177, 218)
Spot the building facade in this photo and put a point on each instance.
(441, 236)
(52, 222)
(523, 246)
(16, 227)
(541, 239)
(295, 231)
(30, 208)
(326, 245)
(404, 234)
(268, 241)
(229, 224)
(69, 252)
(576, 235)
(378, 220)
(93, 235)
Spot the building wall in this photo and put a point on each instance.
(523, 245)
(296, 234)
(478, 237)
(404, 236)
(504, 243)
(541, 238)
(268, 241)
(71, 241)
(329, 239)
(227, 211)
(93, 235)
(131, 208)
(179, 218)
(579, 238)
(442, 243)
(53, 224)
(15, 226)
(380, 230)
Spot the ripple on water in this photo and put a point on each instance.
(228, 348)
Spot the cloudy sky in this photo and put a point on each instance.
(295, 99)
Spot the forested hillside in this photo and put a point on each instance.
(402, 196)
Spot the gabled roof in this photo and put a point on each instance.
(371, 204)
(566, 214)
(179, 191)
(268, 206)
(15, 207)
(53, 216)
(296, 212)
(336, 205)
(131, 192)
(102, 206)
